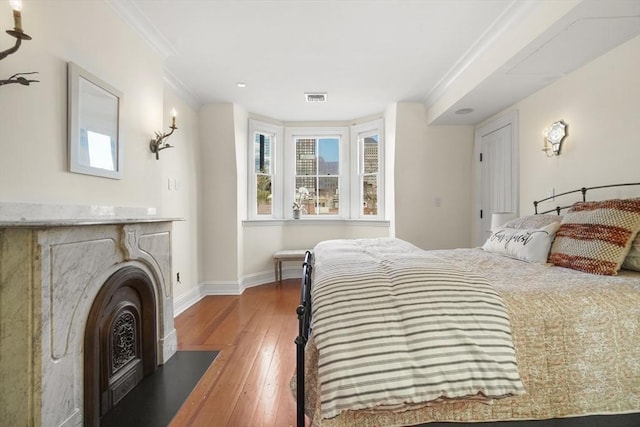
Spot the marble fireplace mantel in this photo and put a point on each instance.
(50, 272)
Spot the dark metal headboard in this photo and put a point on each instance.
(583, 190)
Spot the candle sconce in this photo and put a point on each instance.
(19, 35)
(158, 143)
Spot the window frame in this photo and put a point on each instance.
(256, 126)
(359, 131)
(283, 152)
(290, 136)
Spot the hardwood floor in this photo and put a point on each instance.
(248, 383)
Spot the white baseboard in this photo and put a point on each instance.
(183, 302)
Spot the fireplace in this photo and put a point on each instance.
(119, 341)
(86, 311)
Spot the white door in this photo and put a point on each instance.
(498, 185)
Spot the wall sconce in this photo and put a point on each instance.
(553, 138)
(156, 144)
(19, 35)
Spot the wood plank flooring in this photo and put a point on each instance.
(248, 383)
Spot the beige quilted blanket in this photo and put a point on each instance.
(577, 339)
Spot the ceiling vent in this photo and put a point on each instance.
(316, 97)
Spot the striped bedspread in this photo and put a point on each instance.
(396, 326)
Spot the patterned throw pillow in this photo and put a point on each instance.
(531, 245)
(595, 236)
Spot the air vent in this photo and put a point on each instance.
(316, 97)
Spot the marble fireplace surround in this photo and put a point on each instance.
(51, 269)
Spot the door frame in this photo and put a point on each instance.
(510, 118)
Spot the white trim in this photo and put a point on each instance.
(510, 118)
(507, 19)
(143, 26)
(181, 90)
(220, 288)
(373, 127)
(289, 164)
(186, 300)
(276, 174)
(317, 221)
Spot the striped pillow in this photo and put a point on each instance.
(595, 236)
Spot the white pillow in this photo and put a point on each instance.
(531, 245)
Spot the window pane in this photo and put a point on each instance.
(329, 156)
(370, 195)
(328, 195)
(308, 183)
(262, 149)
(370, 152)
(306, 156)
(263, 194)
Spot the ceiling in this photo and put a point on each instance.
(365, 55)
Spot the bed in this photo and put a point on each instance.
(569, 347)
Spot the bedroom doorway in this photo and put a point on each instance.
(497, 183)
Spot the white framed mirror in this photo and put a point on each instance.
(94, 143)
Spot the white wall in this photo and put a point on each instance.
(601, 104)
(433, 163)
(33, 121)
(241, 124)
(180, 183)
(219, 188)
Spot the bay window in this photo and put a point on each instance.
(320, 172)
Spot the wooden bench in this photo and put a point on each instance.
(286, 255)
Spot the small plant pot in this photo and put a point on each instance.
(296, 214)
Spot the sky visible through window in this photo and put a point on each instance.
(329, 149)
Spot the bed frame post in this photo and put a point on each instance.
(304, 323)
(300, 343)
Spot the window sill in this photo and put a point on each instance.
(316, 222)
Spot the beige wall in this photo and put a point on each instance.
(180, 183)
(33, 122)
(219, 231)
(601, 104)
(433, 163)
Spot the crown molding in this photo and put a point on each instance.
(139, 23)
(181, 90)
(507, 19)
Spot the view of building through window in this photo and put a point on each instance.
(318, 170)
(263, 170)
(370, 169)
